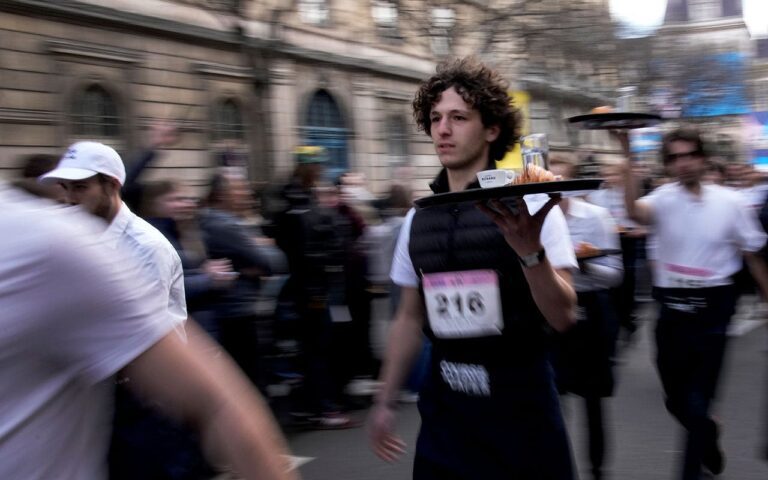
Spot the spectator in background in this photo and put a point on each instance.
(168, 206)
(225, 236)
(356, 196)
(33, 167)
(305, 231)
(161, 135)
(716, 171)
(349, 292)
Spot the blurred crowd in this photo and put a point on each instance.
(283, 276)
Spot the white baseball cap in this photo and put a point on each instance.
(86, 159)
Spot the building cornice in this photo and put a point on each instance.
(98, 52)
(719, 24)
(101, 16)
(221, 70)
(25, 116)
(534, 83)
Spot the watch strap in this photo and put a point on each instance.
(532, 259)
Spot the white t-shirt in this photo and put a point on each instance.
(71, 316)
(700, 240)
(554, 239)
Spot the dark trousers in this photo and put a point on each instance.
(239, 337)
(426, 469)
(632, 250)
(315, 336)
(690, 339)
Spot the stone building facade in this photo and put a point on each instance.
(246, 81)
(713, 35)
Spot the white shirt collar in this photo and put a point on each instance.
(115, 230)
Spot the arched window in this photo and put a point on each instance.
(324, 126)
(228, 121)
(397, 141)
(94, 113)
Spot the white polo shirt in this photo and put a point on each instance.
(554, 239)
(71, 316)
(160, 262)
(700, 240)
(592, 224)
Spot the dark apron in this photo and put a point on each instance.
(513, 431)
(583, 356)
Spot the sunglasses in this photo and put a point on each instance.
(671, 157)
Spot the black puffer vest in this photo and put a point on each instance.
(459, 237)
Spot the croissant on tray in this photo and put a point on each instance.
(533, 174)
(585, 249)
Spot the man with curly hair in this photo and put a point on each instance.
(486, 284)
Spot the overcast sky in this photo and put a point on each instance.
(643, 17)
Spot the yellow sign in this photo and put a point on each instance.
(513, 160)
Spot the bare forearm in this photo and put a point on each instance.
(198, 383)
(405, 341)
(631, 194)
(244, 435)
(553, 293)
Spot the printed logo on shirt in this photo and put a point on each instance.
(466, 378)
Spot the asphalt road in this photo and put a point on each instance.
(645, 441)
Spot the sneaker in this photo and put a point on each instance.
(333, 421)
(714, 457)
(406, 396)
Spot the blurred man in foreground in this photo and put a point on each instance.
(72, 317)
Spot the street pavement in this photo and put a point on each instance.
(646, 442)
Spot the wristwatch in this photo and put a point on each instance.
(532, 259)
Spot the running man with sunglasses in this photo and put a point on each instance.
(702, 231)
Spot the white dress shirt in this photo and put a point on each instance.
(592, 224)
(160, 262)
(700, 239)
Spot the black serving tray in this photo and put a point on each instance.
(615, 120)
(480, 194)
(600, 253)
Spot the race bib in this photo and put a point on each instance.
(680, 276)
(463, 304)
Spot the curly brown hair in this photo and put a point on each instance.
(482, 88)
